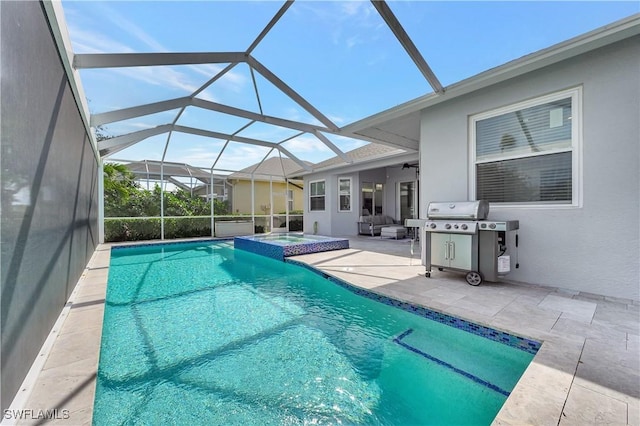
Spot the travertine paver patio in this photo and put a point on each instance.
(587, 371)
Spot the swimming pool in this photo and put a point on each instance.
(202, 333)
(279, 246)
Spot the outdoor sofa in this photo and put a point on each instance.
(373, 224)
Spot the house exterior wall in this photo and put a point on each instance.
(345, 223)
(332, 222)
(594, 247)
(241, 199)
(49, 177)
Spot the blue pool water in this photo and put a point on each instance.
(205, 334)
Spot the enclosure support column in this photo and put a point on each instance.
(162, 183)
(271, 202)
(253, 201)
(162, 200)
(101, 202)
(213, 220)
(286, 203)
(146, 166)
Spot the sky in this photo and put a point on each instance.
(340, 56)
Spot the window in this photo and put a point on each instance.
(344, 194)
(316, 195)
(527, 153)
(289, 200)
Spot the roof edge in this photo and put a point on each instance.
(382, 160)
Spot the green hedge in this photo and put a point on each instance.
(133, 229)
(139, 229)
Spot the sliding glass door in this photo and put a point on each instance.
(407, 201)
(372, 195)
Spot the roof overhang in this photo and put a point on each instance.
(383, 160)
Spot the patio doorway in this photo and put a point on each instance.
(407, 201)
(372, 195)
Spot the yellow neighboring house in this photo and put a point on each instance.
(266, 175)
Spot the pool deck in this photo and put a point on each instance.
(587, 371)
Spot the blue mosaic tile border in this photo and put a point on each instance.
(522, 343)
(279, 252)
(489, 385)
(259, 247)
(305, 248)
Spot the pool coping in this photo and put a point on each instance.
(538, 398)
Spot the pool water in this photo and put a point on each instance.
(205, 334)
(288, 238)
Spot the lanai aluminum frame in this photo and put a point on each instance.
(109, 147)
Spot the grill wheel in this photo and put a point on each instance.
(474, 278)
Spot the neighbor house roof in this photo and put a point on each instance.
(367, 152)
(273, 168)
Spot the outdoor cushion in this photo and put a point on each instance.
(379, 220)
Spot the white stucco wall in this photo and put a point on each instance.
(592, 248)
(345, 223)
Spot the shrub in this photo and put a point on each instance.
(135, 229)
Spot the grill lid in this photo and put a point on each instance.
(469, 210)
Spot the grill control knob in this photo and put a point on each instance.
(455, 226)
(464, 226)
(492, 225)
(432, 225)
(448, 226)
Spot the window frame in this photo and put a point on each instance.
(290, 200)
(350, 194)
(575, 94)
(317, 196)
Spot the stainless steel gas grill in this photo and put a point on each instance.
(458, 236)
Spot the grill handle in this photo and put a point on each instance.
(446, 250)
(452, 250)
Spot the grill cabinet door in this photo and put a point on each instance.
(460, 251)
(439, 249)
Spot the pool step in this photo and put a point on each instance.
(398, 340)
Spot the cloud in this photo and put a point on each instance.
(95, 40)
(305, 144)
(236, 156)
(349, 23)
